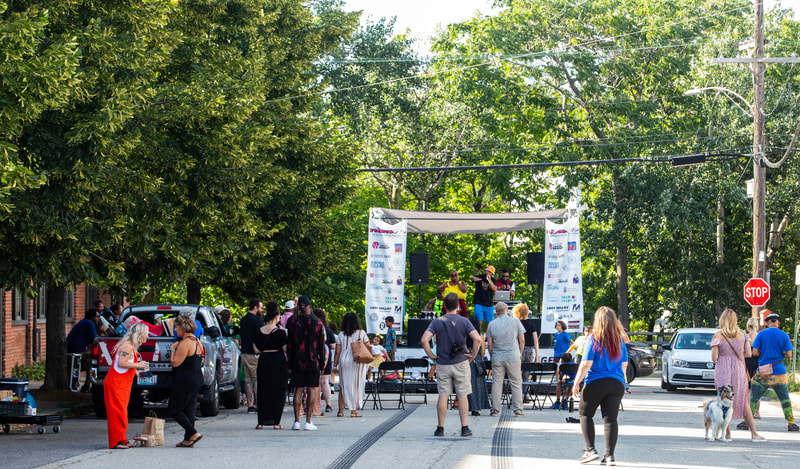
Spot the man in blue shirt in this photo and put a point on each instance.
(771, 346)
(80, 337)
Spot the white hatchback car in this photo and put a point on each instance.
(686, 361)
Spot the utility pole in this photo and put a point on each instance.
(759, 144)
(759, 62)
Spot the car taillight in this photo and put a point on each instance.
(164, 307)
(94, 351)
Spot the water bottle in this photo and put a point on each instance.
(571, 405)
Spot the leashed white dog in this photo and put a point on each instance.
(717, 414)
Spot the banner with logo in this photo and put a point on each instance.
(563, 281)
(386, 269)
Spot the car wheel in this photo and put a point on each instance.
(99, 401)
(231, 399)
(209, 406)
(665, 382)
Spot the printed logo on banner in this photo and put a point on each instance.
(398, 247)
(399, 281)
(378, 264)
(556, 246)
(552, 265)
(572, 245)
(564, 296)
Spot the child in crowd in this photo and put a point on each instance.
(391, 337)
(378, 352)
(567, 379)
(579, 343)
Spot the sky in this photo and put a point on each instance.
(423, 16)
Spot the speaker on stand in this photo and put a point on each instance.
(536, 273)
(419, 273)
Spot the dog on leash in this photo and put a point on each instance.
(717, 414)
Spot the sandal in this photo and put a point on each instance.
(277, 427)
(259, 427)
(355, 415)
(194, 439)
(340, 414)
(121, 446)
(182, 444)
(742, 426)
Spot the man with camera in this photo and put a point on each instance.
(452, 363)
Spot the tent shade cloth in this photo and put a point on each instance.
(467, 223)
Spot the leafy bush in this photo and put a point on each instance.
(34, 371)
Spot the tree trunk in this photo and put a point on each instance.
(56, 366)
(193, 292)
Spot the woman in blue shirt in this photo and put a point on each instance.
(561, 343)
(605, 359)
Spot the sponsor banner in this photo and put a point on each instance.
(386, 268)
(563, 281)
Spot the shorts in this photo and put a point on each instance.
(484, 313)
(305, 379)
(250, 363)
(456, 375)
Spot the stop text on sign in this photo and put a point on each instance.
(756, 292)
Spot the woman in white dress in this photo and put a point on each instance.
(352, 375)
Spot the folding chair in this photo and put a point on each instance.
(393, 386)
(529, 380)
(416, 385)
(370, 390)
(545, 373)
(565, 370)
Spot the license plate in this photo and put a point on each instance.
(708, 374)
(148, 380)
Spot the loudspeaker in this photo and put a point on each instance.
(535, 268)
(419, 269)
(417, 327)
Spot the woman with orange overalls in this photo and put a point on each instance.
(118, 382)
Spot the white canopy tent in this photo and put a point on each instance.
(467, 223)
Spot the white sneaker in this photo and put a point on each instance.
(310, 426)
(296, 426)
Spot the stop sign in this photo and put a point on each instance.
(756, 292)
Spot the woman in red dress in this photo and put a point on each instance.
(118, 382)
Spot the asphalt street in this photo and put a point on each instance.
(657, 430)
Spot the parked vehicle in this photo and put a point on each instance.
(220, 361)
(687, 359)
(641, 360)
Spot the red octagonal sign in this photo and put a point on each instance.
(756, 292)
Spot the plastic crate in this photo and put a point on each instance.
(15, 408)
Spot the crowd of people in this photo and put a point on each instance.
(300, 346)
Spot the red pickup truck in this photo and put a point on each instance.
(220, 362)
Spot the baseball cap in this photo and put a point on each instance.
(303, 300)
(772, 317)
(220, 308)
(490, 269)
(289, 305)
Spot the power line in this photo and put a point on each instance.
(676, 160)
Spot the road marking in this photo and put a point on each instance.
(351, 454)
(501, 441)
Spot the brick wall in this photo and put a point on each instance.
(19, 337)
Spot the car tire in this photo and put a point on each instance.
(665, 383)
(232, 399)
(99, 401)
(209, 406)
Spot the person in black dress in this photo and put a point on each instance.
(273, 370)
(325, 376)
(187, 379)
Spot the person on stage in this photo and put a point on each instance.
(484, 294)
(454, 285)
(505, 283)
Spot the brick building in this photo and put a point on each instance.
(23, 323)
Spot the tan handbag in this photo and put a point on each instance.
(361, 352)
(154, 426)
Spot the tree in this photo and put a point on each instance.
(61, 230)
